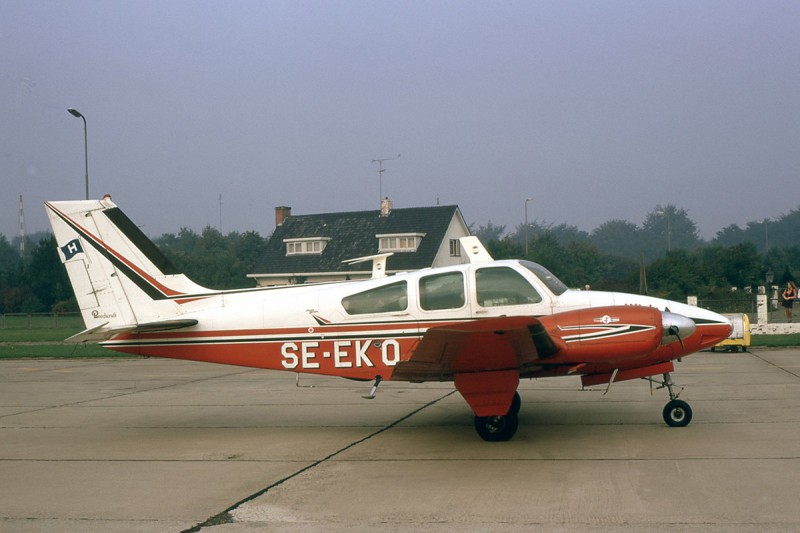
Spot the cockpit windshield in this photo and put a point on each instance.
(548, 278)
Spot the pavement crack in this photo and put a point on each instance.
(770, 363)
(225, 517)
(121, 394)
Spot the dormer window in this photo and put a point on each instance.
(311, 245)
(399, 242)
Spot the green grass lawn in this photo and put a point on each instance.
(47, 342)
(775, 341)
(59, 351)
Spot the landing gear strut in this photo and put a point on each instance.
(501, 427)
(677, 413)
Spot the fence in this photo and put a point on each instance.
(730, 305)
(41, 321)
(775, 313)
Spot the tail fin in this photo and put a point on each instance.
(121, 280)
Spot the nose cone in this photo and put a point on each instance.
(676, 327)
(715, 331)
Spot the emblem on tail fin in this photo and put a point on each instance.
(71, 249)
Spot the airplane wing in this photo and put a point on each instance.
(483, 357)
(483, 345)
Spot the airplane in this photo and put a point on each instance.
(485, 324)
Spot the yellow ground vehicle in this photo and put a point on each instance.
(740, 336)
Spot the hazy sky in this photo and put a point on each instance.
(596, 110)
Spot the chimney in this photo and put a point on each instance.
(386, 207)
(282, 213)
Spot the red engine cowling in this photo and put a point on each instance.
(605, 333)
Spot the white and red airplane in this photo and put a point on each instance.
(483, 325)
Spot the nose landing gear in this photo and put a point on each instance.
(676, 413)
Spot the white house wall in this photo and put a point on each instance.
(457, 229)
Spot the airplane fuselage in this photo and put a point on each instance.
(363, 329)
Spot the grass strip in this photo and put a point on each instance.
(58, 351)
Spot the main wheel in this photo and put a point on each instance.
(516, 404)
(677, 413)
(496, 428)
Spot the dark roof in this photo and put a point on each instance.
(353, 235)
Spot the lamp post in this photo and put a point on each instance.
(669, 228)
(526, 226)
(77, 114)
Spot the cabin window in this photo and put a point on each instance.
(553, 283)
(442, 291)
(497, 286)
(399, 242)
(386, 299)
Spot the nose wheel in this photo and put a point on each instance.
(677, 413)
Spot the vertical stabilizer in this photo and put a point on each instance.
(119, 277)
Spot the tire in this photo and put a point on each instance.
(496, 428)
(677, 414)
(516, 404)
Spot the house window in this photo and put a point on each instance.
(455, 248)
(314, 245)
(399, 242)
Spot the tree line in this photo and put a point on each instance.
(36, 282)
(664, 257)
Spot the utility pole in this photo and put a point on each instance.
(526, 225)
(21, 228)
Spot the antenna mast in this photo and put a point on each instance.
(381, 170)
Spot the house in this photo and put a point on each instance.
(313, 248)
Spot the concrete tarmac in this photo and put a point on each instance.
(157, 445)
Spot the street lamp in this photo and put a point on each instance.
(669, 228)
(526, 226)
(77, 114)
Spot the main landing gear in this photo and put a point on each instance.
(502, 427)
(677, 413)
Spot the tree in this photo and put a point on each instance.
(47, 279)
(675, 276)
(673, 228)
(620, 237)
(729, 235)
(488, 233)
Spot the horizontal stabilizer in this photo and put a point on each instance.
(378, 263)
(94, 334)
(165, 325)
(102, 333)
